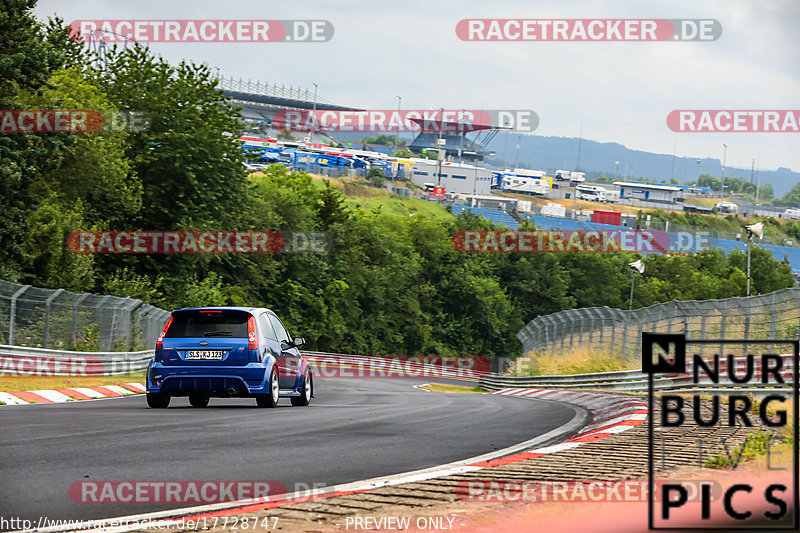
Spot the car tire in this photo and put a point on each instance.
(271, 398)
(157, 400)
(198, 400)
(305, 393)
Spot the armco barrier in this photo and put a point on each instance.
(24, 361)
(628, 380)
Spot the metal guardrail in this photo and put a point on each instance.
(628, 380)
(25, 361)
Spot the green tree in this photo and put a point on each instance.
(376, 177)
(707, 180)
(189, 162)
(125, 282)
(286, 135)
(791, 198)
(52, 265)
(766, 192)
(27, 61)
(383, 139)
(94, 169)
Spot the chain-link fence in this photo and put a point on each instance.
(601, 329)
(59, 319)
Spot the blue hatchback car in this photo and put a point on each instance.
(227, 352)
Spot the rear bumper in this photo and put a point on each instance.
(217, 381)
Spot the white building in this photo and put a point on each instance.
(455, 178)
(647, 191)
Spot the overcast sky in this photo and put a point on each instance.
(620, 92)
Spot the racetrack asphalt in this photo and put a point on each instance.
(354, 429)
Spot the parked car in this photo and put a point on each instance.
(256, 166)
(228, 352)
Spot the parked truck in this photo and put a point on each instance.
(595, 193)
(526, 185)
(570, 175)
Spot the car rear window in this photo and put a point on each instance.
(209, 324)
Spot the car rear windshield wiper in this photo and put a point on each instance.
(218, 334)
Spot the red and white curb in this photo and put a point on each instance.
(610, 414)
(69, 395)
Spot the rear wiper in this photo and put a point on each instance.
(218, 334)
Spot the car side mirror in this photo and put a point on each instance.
(299, 341)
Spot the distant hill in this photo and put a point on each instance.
(551, 153)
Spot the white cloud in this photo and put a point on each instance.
(620, 91)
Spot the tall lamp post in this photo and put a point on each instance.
(394, 148)
(756, 230)
(636, 266)
(314, 117)
(724, 158)
(461, 143)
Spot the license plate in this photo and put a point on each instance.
(204, 354)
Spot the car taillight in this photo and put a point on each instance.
(252, 340)
(163, 334)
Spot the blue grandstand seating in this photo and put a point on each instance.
(792, 255)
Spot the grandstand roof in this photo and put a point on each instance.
(647, 186)
(452, 144)
(448, 126)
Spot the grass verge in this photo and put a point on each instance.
(763, 448)
(580, 360)
(457, 389)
